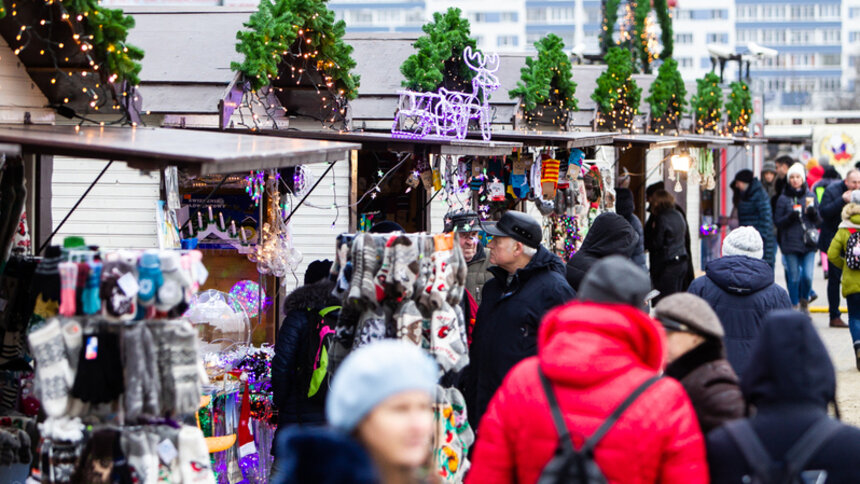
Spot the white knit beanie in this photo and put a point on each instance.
(744, 241)
(798, 169)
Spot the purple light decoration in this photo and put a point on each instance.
(256, 182)
(448, 113)
(245, 297)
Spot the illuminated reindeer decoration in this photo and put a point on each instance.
(448, 113)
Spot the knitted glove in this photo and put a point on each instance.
(442, 270)
(72, 337)
(90, 297)
(140, 364)
(116, 303)
(371, 327)
(404, 271)
(68, 281)
(446, 342)
(53, 374)
(380, 282)
(141, 456)
(194, 463)
(179, 367)
(172, 292)
(99, 378)
(150, 278)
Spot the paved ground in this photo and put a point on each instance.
(838, 342)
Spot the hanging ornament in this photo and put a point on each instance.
(247, 295)
(275, 254)
(255, 183)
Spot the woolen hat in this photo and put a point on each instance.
(687, 312)
(518, 226)
(745, 176)
(615, 280)
(317, 271)
(386, 227)
(768, 166)
(744, 241)
(371, 374)
(797, 169)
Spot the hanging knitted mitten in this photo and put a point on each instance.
(442, 270)
(141, 456)
(446, 343)
(371, 327)
(381, 282)
(194, 463)
(549, 177)
(150, 278)
(140, 365)
(404, 271)
(68, 281)
(53, 375)
(90, 296)
(409, 322)
(99, 378)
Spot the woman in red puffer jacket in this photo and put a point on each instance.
(595, 355)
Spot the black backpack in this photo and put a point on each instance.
(571, 466)
(313, 371)
(789, 469)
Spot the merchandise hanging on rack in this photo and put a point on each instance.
(275, 254)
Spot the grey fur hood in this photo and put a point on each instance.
(318, 294)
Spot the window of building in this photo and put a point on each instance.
(415, 16)
(802, 37)
(831, 84)
(531, 39)
(359, 17)
(831, 59)
(478, 17)
(718, 38)
(705, 62)
(802, 12)
(854, 36)
(683, 14)
(684, 38)
(747, 35)
(854, 12)
(561, 14)
(685, 62)
(388, 15)
(830, 10)
(773, 36)
(510, 17)
(536, 15)
(832, 36)
(773, 12)
(507, 41)
(747, 12)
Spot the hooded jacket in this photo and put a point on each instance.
(291, 346)
(754, 209)
(478, 274)
(790, 383)
(790, 224)
(506, 327)
(323, 456)
(595, 355)
(625, 207)
(830, 209)
(711, 384)
(610, 234)
(741, 291)
(835, 253)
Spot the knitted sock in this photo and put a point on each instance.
(46, 286)
(371, 327)
(172, 291)
(194, 463)
(520, 185)
(142, 385)
(409, 322)
(118, 291)
(90, 296)
(425, 270)
(68, 281)
(444, 248)
(179, 364)
(52, 368)
(459, 271)
(142, 459)
(405, 268)
(150, 278)
(380, 282)
(354, 293)
(445, 339)
(549, 177)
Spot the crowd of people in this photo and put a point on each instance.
(601, 370)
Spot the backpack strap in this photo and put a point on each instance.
(607, 424)
(557, 417)
(326, 310)
(808, 445)
(751, 447)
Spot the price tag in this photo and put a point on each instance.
(128, 284)
(92, 350)
(167, 451)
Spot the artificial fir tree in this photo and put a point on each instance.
(546, 82)
(617, 95)
(610, 18)
(667, 37)
(438, 61)
(302, 32)
(708, 103)
(739, 107)
(667, 97)
(639, 39)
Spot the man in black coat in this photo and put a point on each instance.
(610, 234)
(783, 163)
(835, 197)
(528, 281)
(790, 382)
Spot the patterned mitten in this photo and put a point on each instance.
(446, 343)
(68, 282)
(73, 339)
(194, 463)
(409, 322)
(442, 270)
(371, 327)
(91, 302)
(53, 375)
(140, 366)
(141, 456)
(425, 271)
(179, 363)
(404, 271)
(150, 277)
(381, 281)
(45, 286)
(459, 271)
(354, 293)
(118, 291)
(171, 293)
(549, 177)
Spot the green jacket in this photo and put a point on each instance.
(478, 274)
(850, 277)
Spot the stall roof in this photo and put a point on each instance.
(658, 141)
(564, 139)
(200, 152)
(386, 142)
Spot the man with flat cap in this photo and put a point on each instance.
(528, 280)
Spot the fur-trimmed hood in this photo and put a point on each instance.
(849, 210)
(316, 295)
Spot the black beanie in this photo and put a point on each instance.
(317, 271)
(386, 227)
(745, 176)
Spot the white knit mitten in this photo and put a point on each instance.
(442, 269)
(172, 290)
(54, 377)
(446, 342)
(194, 463)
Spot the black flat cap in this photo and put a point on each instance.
(518, 226)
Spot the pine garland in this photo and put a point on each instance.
(667, 36)
(610, 18)
(438, 61)
(667, 95)
(640, 36)
(708, 103)
(617, 95)
(107, 30)
(302, 29)
(739, 107)
(548, 79)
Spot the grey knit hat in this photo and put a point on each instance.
(687, 312)
(615, 280)
(744, 241)
(768, 166)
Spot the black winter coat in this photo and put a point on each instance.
(322, 455)
(710, 382)
(610, 234)
(830, 210)
(741, 291)
(754, 209)
(789, 223)
(625, 207)
(665, 238)
(292, 345)
(790, 382)
(507, 324)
